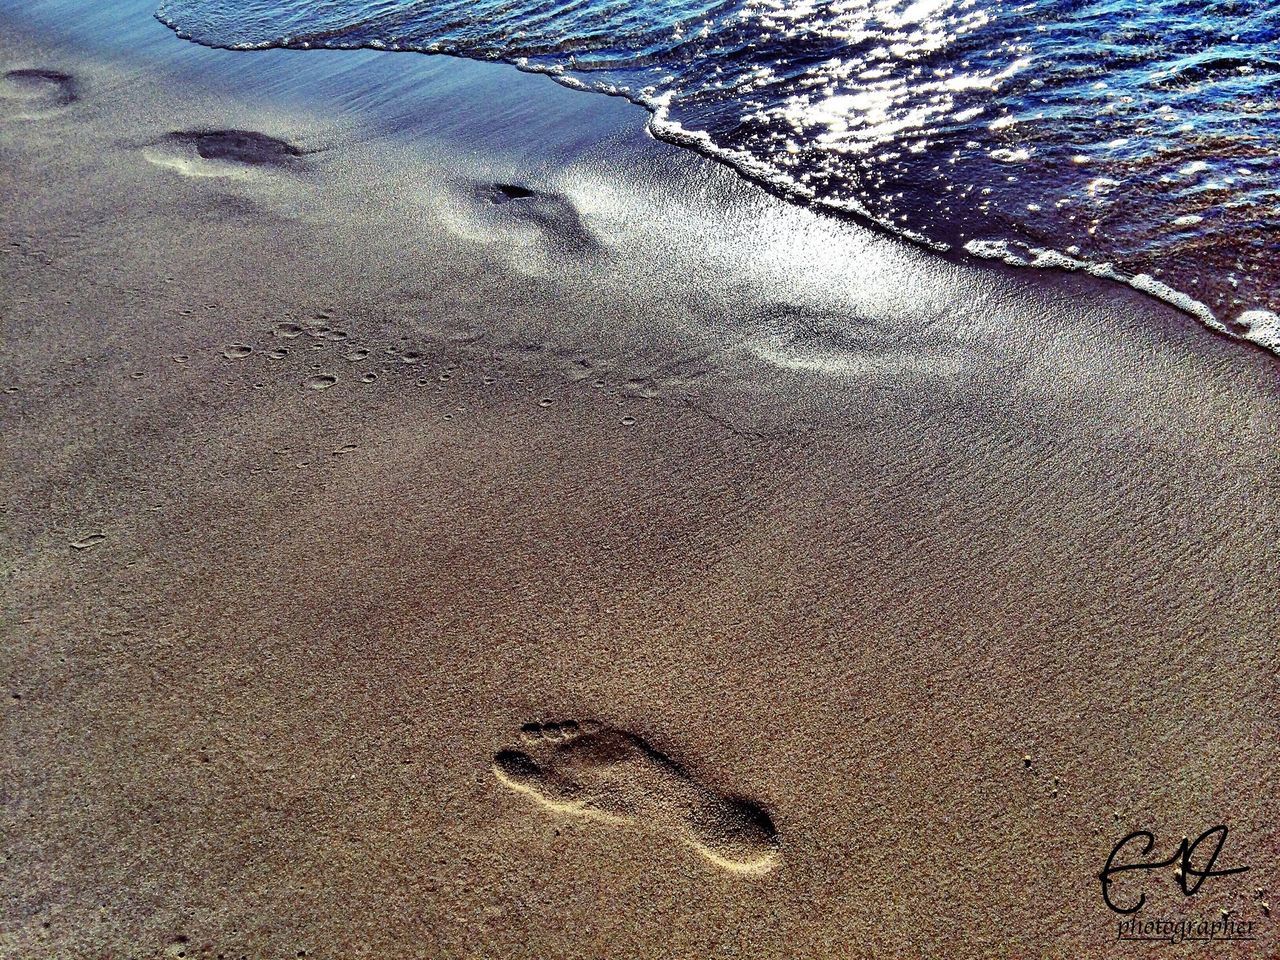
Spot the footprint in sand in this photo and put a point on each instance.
(835, 345)
(222, 153)
(38, 91)
(614, 776)
(555, 215)
(544, 224)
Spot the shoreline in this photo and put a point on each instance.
(815, 522)
(1259, 327)
(393, 98)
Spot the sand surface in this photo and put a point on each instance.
(450, 524)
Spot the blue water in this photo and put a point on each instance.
(1138, 139)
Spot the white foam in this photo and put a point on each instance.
(1257, 326)
(996, 250)
(1162, 291)
(1261, 327)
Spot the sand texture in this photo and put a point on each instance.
(498, 535)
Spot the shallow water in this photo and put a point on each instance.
(1137, 140)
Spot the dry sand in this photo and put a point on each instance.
(506, 536)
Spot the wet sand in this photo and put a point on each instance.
(439, 521)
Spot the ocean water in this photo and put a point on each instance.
(1136, 139)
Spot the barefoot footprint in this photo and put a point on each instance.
(223, 153)
(614, 776)
(38, 91)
